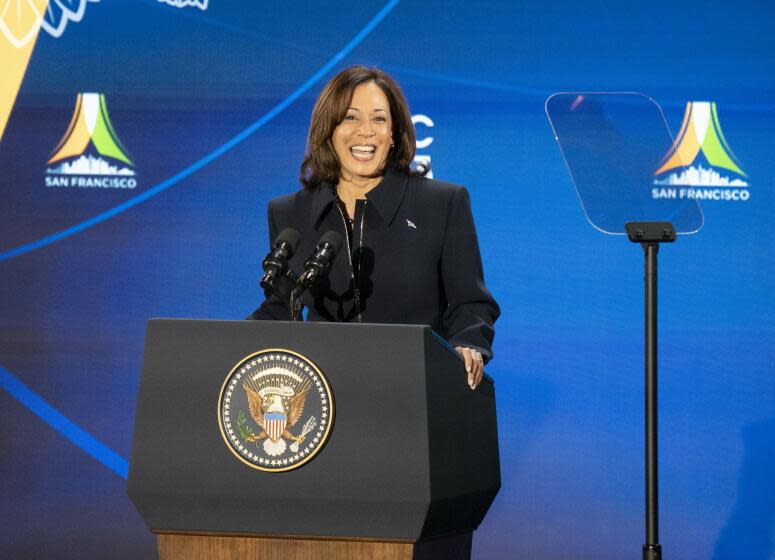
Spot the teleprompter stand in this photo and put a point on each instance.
(615, 146)
(650, 235)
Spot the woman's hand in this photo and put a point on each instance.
(474, 365)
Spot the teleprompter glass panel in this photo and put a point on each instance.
(613, 145)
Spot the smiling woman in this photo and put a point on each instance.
(412, 255)
(358, 100)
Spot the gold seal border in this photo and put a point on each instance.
(332, 412)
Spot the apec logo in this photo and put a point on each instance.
(90, 153)
(700, 164)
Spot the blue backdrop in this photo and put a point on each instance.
(211, 103)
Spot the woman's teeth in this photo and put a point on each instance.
(362, 152)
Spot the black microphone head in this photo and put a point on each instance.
(291, 238)
(276, 262)
(332, 238)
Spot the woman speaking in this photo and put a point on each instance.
(410, 253)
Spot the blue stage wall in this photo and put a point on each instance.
(211, 103)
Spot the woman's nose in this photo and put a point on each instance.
(365, 128)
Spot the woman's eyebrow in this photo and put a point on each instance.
(373, 110)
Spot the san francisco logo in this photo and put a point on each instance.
(275, 410)
(700, 164)
(90, 153)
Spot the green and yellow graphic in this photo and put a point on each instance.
(90, 125)
(700, 132)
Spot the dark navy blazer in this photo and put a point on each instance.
(414, 258)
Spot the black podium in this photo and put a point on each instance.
(409, 469)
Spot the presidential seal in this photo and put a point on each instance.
(275, 410)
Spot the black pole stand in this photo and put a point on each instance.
(650, 235)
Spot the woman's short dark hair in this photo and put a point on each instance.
(320, 163)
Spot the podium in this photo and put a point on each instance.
(407, 469)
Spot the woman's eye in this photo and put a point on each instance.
(351, 118)
(380, 119)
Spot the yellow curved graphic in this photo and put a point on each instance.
(77, 137)
(686, 145)
(19, 26)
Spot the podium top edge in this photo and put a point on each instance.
(312, 324)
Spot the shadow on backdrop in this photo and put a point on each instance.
(748, 533)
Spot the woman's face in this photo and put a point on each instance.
(362, 140)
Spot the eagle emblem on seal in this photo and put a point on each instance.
(276, 410)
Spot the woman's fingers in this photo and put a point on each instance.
(478, 369)
(474, 365)
(468, 359)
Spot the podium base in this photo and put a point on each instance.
(223, 547)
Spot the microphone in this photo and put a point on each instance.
(319, 263)
(276, 262)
